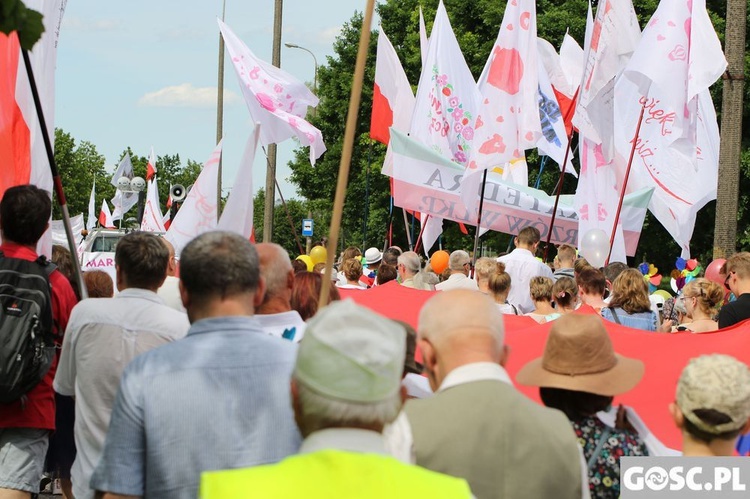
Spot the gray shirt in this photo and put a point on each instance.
(218, 399)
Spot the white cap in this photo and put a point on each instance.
(351, 353)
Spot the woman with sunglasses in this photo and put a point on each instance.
(702, 299)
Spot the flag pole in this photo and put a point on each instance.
(406, 227)
(562, 176)
(479, 220)
(421, 231)
(346, 153)
(56, 181)
(624, 185)
(220, 112)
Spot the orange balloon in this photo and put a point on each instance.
(439, 261)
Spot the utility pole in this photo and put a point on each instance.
(725, 226)
(271, 168)
(220, 111)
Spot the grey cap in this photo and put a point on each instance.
(718, 382)
(351, 353)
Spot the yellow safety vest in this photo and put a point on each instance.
(332, 474)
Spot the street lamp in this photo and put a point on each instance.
(315, 77)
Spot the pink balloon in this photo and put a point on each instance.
(713, 271)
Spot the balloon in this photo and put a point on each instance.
(595, 247)
(439, 261)
(713, 271)
(663, 293)
(692, 264)
(318, 255)
(308, 261)
(643, 268)
(680, 264)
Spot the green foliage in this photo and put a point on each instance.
(14, 16)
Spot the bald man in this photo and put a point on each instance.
(170, 291)
(275, 313)
(477, 426)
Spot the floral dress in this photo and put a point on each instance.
(604, 474)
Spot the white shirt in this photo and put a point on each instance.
(170, 293)
(102, 337)
(288, 325)
(522, 267)
(346, 439)
(417, 386)
(399, 440)
(457, 281)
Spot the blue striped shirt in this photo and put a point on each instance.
(217, 399)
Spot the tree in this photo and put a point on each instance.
(475, 24)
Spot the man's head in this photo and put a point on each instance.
(24, 214)
(459, 327)
(172, 265)
(566, 256)
(591, 284)
(736, 271)
(713, 399)
(390, 256)
(276, 269)
(613, 271)
(459, 262)
(408, 265)
(528, 238)
(141, 261)
(348, 370)
(220, 275)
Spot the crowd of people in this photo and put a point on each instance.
(222, 376)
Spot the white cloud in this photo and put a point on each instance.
(88, 25)
(186, 95)
(328, 35)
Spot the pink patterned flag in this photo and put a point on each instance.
(677, 150)
(509, 88)
(276, 100)
(447, 101)
(198, 213)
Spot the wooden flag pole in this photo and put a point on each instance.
(624, 185)
(346, 153)
(562, 176)
(479, 221)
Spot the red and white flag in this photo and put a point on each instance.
(153, 219)
(509, 87)
(392, 97)
(151, 166)
(199, 211)
(238, 212)
(276, 100)
(23, 158)
(105, 216)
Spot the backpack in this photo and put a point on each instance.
(27, 343)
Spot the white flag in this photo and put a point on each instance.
(447, 102)
(509, 86)
(276, 100)
(123, 201)
(238, 212)
(571, 63)
(153, 220)
(91, 221)
(199, 212)
(424, 41)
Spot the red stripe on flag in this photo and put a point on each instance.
(565, 104)
(15, 139)
(382, 117)
(463, 228)
(150, 172)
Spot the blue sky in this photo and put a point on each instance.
(144, 73)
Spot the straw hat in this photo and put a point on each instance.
(579, 356)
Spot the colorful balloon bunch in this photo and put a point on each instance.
(650, 275)
(685, 271)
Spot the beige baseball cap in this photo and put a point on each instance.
(350, 353)
(718, 382)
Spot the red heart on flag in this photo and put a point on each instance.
(495, 144)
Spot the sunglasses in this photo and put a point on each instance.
(726, 281)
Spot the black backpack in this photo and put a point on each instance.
(27, 343)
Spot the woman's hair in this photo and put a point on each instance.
(576, 405)
(306, 293)
(540, 288)
(319, 267)
(630, 292)
(62, 258)
(565, 292)
(386, 273)
(98, 284)
(299, 266)
(484, 268)
(352, 269)
(349, 253)
(580, 265)
(592, 281)
(499, 282)
(709, 294)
